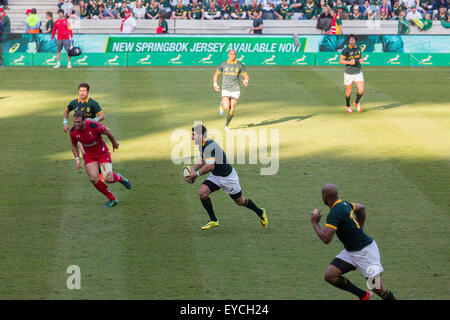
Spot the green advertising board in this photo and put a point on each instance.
(84, 60)
(48, 59)
(18, 59)
(370, 59)
(204, 44)
(430, 59)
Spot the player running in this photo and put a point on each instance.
(347, 219)
(231, 69)
(62, 26)
(89, 134)
(352, 58)
(89, 106)
(84, 103)
(222, 175)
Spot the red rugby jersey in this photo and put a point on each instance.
(63, 28)
(90, 138)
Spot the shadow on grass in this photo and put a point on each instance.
(386, 107)
(276, 121)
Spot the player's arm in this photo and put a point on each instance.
(215, 81)
(111, 138)
(76, 153)
(246, 78)
(360, 211)
(361, 60)
(342, 60)
(66, 120)
(326, 233)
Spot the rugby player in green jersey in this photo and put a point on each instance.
(222, 175)
(346, 220)
(352, 58)
(231, 70)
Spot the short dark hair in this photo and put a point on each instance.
(83, 85)
(50, 14)
(33, 11)
(352, 36)
(199, 128)
(61, 11)
(79, 114)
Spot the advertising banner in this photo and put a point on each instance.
(430, 59)
(18, 59)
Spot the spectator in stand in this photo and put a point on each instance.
(49, 25)
(387, 8)
(257, 27)
(356, 14)
(153, 11)
(442, 14)
(267, 9)
(113, 6)
(371, 15)
(94, 11)
(84, 12)
(284, 11)
(121, 12)
(413, 13)
(225, 9)
(438, 3)
(212, 11)
(196, 11)
(162, 25)
(129, 23)
(32, 22)
(297, 5)
(309, 11)
(139, 10)
(67, 6)
(4, 19)
(336, 23)
(237, 11)
(366, 6)
(427, 6)
(105, 12)
(166, 9)
(254, 10)
(324, 19)
(396, 9)
(383, 15)
(403, 24)
(179, 11)
(5, 7)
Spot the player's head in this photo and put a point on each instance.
(83, 90)
(352, 40)
(79, 119)
(61, 13)
(199, 134)
(329, 194)
(232, 55)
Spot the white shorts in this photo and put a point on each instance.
(229, 184)
(367, 259)
(231, 94)
(350, 78)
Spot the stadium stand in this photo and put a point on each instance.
(298, 22)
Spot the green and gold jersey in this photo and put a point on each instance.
(284, 11)
(231, 72)
(350, 53)
(196, 11)
(309, 10)
(342, 218)
(212, 153)
(252, 9)
(90, 107)
(152, 11)
(179, 10)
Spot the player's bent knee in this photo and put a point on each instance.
(203, 193)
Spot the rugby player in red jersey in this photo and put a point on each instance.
(89, 134)
(63, 38)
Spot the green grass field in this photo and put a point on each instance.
(394, 158)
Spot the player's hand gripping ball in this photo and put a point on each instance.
(187, 171)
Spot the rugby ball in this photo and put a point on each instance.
(187, 171)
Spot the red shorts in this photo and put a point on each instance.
(99, 157)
